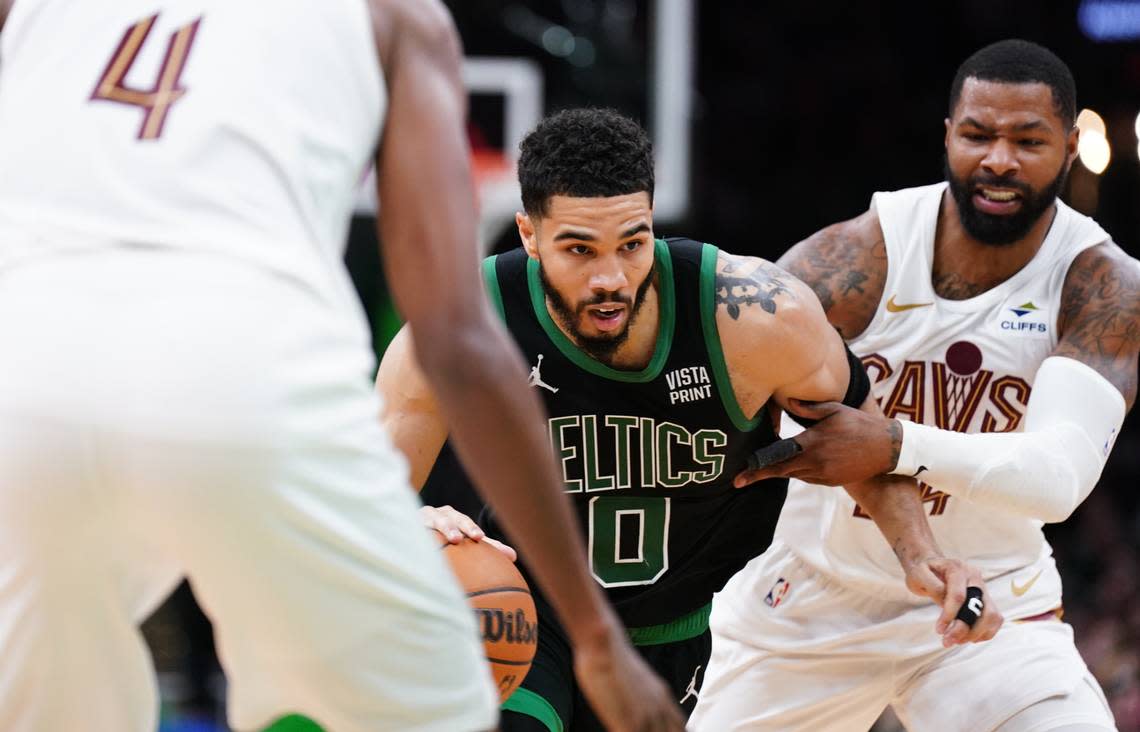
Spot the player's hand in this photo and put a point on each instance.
(945, 581)
(847, 446)
(625, 694)
(456, 526)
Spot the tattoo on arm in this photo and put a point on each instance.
(1100, 316)
(894, 429)
(854, 282)
(846, 266)
(744, 282)
(906, 554)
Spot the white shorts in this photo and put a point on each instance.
(166, 415)
(821, 657)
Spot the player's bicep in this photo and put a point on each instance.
(410, 412)
(776, 338)
(815, 367)
(1100, 316)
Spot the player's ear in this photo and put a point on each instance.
(946, 137)
(1072, 144)
(527, 234)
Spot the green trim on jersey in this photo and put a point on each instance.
(666, 306)
(712, 343)
(683, 628)
(491, 278)
(294, 723)
(525, 701)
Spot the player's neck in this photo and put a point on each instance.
(637, 350)
(965, 267)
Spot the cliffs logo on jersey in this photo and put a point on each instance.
(1026, 319)
(689, 384)
(614, 451)
(957, 393)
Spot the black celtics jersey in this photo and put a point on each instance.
(647, 457)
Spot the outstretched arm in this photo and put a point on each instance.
(427, 228)
(762, 311)
(1080, 396)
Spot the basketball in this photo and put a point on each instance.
(503, 609)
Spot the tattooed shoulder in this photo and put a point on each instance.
(1100, 315)
(845, 265)
(744, 282)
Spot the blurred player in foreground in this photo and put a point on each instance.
(185, 383)
(659, 362)
(980, 305)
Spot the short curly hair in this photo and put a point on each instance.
(586, 152)
(1014, 61)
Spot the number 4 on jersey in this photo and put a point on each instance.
(167, 89)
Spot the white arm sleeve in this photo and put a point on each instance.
(1071, 422)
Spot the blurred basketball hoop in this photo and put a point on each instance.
(510, 91)
(497, 189)
(515, 83)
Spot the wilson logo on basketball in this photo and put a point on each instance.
(499, 625)
(956, 393)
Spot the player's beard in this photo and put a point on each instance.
(1001, 230)
(602, 347)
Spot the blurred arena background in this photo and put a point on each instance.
(770, 121)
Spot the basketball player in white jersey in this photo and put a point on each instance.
(185, 383)
(1001, 328)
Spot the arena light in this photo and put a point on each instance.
(1090, 121)
(1094, 151)
(1138, 136)
(1109, 20)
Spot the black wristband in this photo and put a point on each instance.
(972, 608)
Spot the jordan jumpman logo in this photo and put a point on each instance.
(536, 378)
(692, 688)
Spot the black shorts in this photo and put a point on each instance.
(549, 700)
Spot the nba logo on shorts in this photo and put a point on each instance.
(776, 595)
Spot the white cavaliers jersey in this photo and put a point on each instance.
(237, 127)
(964, 365)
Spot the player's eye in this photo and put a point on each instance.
(975, 136)
(1031, 143)
(632, 246)
(580, 249)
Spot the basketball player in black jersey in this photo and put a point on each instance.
(661, 364)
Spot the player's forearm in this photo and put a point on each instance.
(1042, 475)
(1044, 472)
(497, 429)
(895, 505)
